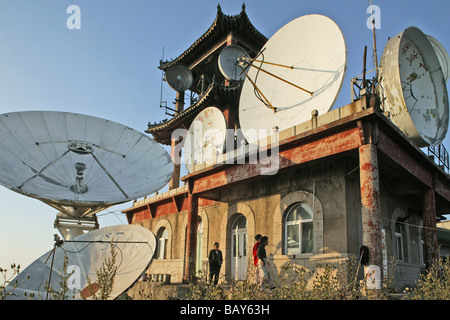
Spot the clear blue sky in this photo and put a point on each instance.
(108, 69)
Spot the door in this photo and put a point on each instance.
(199, 250)
(239, 248)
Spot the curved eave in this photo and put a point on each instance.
(221, 27)
(225, 94)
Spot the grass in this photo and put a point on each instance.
(327, 282)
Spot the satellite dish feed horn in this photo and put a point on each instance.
(79, 186)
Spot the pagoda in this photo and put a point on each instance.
(209, 86)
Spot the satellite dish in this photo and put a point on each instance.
(442, 54)
(415, 91)
(229, 60)
(179, 77)
(205, 139)
(134, 247)
(70, 159)
(78, 164)
(301, 68)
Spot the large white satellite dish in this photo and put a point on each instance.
(78, 160)
(301, 68)
(415, 91)
(134, 246)
(205, 139)
(78, 164)
(229, 60)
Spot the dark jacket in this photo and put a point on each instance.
(215, 258)
(261, 253)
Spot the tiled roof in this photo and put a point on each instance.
(222, 25)
(162, 131)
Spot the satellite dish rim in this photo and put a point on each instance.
(437, 45)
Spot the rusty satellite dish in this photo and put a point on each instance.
(78, 164)
(205, 139)
(415, 91)
(133, 245)
(301, 68)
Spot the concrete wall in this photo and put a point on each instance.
(263, 203)
(330, 187)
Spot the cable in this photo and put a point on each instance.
(417, 226)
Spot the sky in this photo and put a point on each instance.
(108, 68)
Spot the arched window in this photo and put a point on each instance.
(399, 241)
(162, 236)
(299, 229)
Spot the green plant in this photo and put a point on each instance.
(388, 286)
(7, 280)
(434, 285)
(291, 284)
(63, 292)
(105, 277)
(200, 289)
(325, 284)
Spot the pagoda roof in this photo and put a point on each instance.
(222, 26)
(162, 131)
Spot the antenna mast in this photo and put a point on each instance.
(162, 104)
(374, 39)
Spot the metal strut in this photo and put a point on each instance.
(279, 78)
(267, 102)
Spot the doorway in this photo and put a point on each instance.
(199, 249)
(239, 241)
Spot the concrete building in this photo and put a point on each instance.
(340, 180)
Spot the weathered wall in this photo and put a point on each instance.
(260, 202)
(331, 187)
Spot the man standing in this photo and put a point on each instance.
(255, 255)
(215, 262)
(264, 275)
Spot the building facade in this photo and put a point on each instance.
(342, 180)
